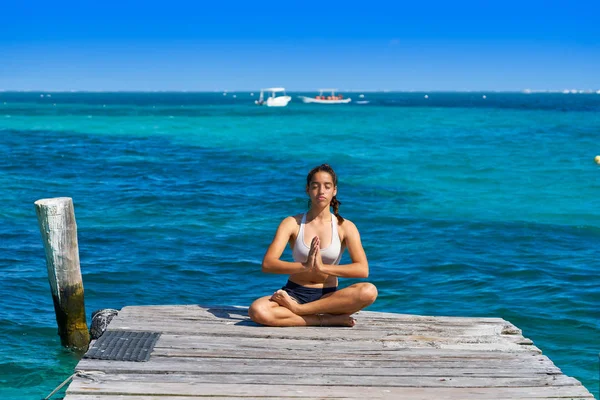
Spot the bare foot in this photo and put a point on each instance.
(336, 320)
(282, 298)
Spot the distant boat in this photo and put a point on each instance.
(273, 100)
(326, 99)
(362, 102)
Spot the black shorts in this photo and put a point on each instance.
(303, 294)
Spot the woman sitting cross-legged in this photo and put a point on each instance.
(318, 239)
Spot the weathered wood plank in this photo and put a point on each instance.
(371, 320)
(222, 312)
(223, 316)
(326, 334)
(367, 319)
(296, 397)
(381, 330)
(333, 337)
(410, 396)
(355, 346)
(324, 378)
(413, 396)
(294, 367)
(361, 327)
(225, 388)
(375, 355)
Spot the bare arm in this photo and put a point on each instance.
(359, 268)
(272, 264)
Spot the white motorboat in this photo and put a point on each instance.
(332, 98)
(273, 99)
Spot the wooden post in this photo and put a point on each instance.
(56, 219)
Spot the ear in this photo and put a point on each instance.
(335, 191)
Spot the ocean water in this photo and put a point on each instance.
(466, 207)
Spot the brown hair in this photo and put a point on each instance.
(335, 203)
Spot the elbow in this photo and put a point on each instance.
(364, 272)
(266, 267)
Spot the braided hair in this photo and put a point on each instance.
(335, 203)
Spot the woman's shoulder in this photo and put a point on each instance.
(348, 227)
(292, 220)
(346, 223)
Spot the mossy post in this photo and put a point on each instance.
(56, 219)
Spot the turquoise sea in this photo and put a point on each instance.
(467, 206)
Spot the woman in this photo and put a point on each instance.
(318, 239)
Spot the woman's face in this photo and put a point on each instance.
(321, 189)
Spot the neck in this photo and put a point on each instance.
(320, 214)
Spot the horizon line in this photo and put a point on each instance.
(525, 91)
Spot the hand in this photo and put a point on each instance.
(317, 261)
(310, 260)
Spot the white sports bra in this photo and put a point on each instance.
(330, 255)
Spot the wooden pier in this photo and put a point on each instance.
(218, 352)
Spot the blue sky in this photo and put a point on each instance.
(302, 45)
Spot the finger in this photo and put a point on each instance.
(312, 250)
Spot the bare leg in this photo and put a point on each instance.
(266, 312)
(345, 301)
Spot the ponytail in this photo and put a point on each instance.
(335, 203)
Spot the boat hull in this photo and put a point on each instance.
(319, 101)
(280, 101)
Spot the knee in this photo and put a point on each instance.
(259, 313)
(367, 293)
